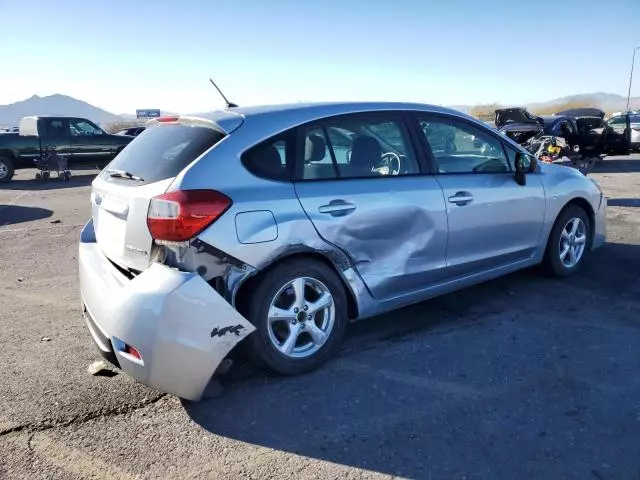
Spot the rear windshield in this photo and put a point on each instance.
(162, 151)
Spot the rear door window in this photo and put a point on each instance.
(163, 151)
(55, 128)
(357, 146)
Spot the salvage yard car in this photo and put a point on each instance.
(619, 122)
(583, 130)
(275, 226)
(77, 139)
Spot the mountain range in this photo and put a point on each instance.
(608, 102)
(11, 114)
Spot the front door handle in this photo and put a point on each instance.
(337, 208)
(461, 198)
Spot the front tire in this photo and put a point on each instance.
(7, 169)
(299, 310)
(568, 243)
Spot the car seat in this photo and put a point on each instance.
(366, 153)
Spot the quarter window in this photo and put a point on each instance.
(357, 146)
(269, 159)
(458, 147)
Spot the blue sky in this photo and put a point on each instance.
(159, 54)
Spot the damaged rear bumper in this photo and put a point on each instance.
(181, 327)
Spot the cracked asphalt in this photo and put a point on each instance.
(522, 377)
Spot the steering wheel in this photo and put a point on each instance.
(390, 164)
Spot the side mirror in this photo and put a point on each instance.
(524, 164)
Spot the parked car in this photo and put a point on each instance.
(77, 139)
(619, 122)
(518, 124)
(131, 131)
(275, 226)
(583, 128)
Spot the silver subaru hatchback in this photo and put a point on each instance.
(276, 226)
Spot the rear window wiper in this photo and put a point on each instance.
(123, 174)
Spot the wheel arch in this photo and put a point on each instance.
(588, 208)
(244, 289)
(11, 158)
(7, 153)
(584, 204)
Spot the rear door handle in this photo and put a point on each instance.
(461, 198)
(337, 208)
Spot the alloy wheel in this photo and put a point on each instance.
(301, 317)
(573, 240)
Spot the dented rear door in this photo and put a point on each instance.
(392, 226)
(394, 229)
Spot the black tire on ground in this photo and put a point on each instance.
(6, 169)
(552, 265)
(258, 344)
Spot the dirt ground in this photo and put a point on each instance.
(521, 377)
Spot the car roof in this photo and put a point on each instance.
(548, 119)
(314, 110)
(58, 117)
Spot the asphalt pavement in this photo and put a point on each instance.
(522, 377)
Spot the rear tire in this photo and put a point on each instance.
(294, 333)
(7, 169)
(568, 243)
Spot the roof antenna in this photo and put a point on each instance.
(227, 102)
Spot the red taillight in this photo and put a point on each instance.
(179, 216)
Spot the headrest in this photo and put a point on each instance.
(365, 151)
(315, 148)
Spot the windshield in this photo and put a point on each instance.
(162, 151)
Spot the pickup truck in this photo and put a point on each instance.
(79, 139)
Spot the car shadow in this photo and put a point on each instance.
(12, 214)
(623, 202)
(377, 410)
(54, 183)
